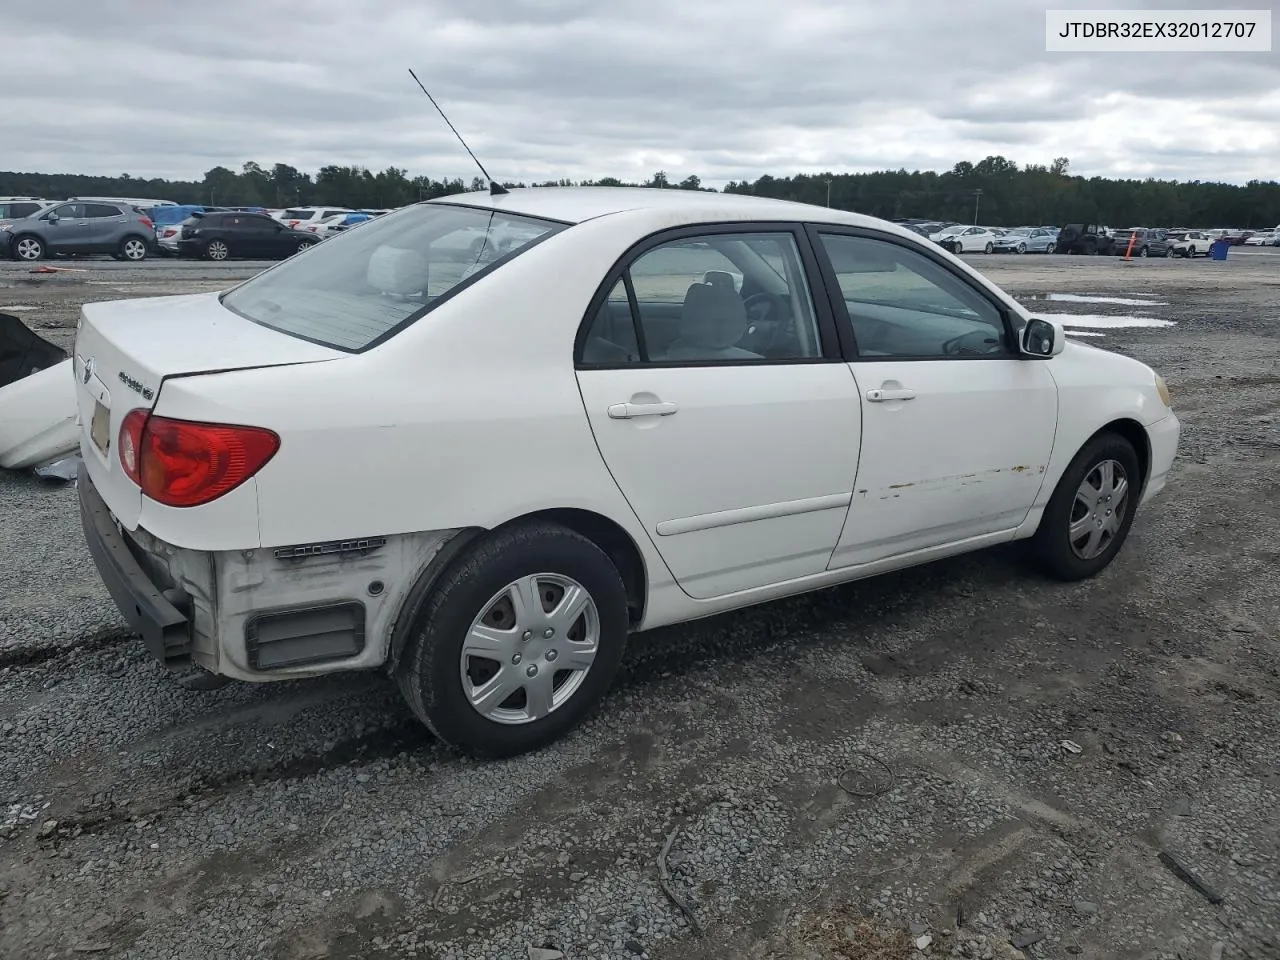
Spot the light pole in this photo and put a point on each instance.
(977, 197)
(828, 193)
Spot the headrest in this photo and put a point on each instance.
(719, 278)
(712, 316)
(398, 271)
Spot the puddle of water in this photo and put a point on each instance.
(19, 307)
(1098, 298)
(1099, 321)
(1083, 333)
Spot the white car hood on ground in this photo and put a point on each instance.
(38, 418)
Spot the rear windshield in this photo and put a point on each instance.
(361, 286)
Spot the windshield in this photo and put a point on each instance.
(361, 286)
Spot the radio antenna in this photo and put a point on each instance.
(495, 187)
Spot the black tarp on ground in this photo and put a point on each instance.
(22, 351)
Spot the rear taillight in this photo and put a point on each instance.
(181, 463)
(148, 223)
(131, 443)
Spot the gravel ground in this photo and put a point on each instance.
(876, 770)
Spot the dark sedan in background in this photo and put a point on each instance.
(229, 234)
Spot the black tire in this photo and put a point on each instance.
(304, 244)
(429, 673)
(134, 249)
(28, 242)
(1051, 545)
(1143, 252)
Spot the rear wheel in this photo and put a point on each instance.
(217, 250)
(28, 248)
(133, 249)
(989, 247)
(1089, 515)
(520, 638)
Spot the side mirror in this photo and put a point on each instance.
(1043, 338)
(53, 218)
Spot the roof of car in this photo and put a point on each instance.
(576, 204)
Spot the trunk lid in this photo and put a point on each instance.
(124, 352)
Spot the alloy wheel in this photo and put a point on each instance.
(30, 249)
(135, 249)
(217, 250)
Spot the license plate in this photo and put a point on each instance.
(100, 427)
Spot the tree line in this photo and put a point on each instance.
(995, 191)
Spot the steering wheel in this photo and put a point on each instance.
(974, 343)
(765, 308)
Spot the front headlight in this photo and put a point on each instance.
(1162, 388)
(6, 227)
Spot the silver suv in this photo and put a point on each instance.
(79, 226)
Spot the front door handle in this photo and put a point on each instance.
(881, 394)
(629, 411)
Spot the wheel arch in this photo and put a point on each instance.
(1136, 434)
(606, 534)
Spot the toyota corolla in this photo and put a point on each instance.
(482, 441)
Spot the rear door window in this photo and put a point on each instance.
(100, 211)
(354, 293)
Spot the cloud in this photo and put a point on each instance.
(570, 88)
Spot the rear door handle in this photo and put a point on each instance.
(881, 394)
(629, 411)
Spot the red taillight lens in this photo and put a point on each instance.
(184, 464)
(147, 222)
(130, 443)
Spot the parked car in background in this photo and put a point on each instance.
(1084, 239)
(80, 227)
(296, 217)
(16, 208)
(962, 239)
(225, 235)
(299, 478)
(168, 224)
(1191, 243)
(1026, 240)
(331, 226)
(1264, 239)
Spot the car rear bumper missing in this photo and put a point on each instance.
(153, 614)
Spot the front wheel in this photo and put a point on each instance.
(1089, 515)
(1022, 248)
(28, 248)
(304, 244)
(989, 247)
(519, 639)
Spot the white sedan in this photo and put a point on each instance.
(483, 467)
(966, 239)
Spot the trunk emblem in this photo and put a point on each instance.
(137, 387)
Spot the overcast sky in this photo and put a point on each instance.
(589, 88)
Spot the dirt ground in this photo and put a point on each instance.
(958, 760)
